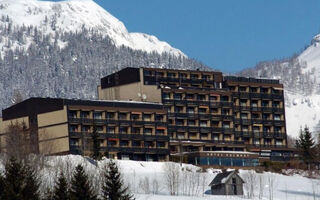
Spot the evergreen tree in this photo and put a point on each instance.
(81, 188)
(113, 188)
(31, 184)
(305, 144)
(20, 182)
(61, 189)
(95, 144)
(1, 186)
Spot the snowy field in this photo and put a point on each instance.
(147, 180)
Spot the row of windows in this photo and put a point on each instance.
(183, 75)
(122, 130)
(119, 116)
(239, 162)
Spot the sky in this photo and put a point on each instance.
(228, 35)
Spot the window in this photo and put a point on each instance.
(159, 131)
(97, 115)
(74, 142)
(277, 117)
(180, 135)
(226, 124)
(194, 76)
(254, 90)
(160, 118)
(265, 90)
(73, 128)
(254, 103)
(243, 102)
(203, 123)
(266, 129)
(256, 141)
(190, 96)
(183, 75)
(265, 103)
(266, 116)
(123, 130)
(213, 98)
(161, 144)
(171, 75)
(179, 122)
(147, 117)
(122, 116)
(277, 129)
(124, 143)
(256, 129)
(201, 97)
(135, 130)
(136, 143)
(276, 104)
(85, 114)
(214, 110)
(135, 117)
(178, 109)
(148, 144)
(202, 110)
(73, 114)
(85, 128)
(148, 131)
(225, 111)
(112, 143)
(99, 129)
(110, 130)
(245, 128)
(110, 115)
(278, 142)
(255, 116)
(177, 96)
(191, 122)
(224, 98)
(190, 109)
(242, 89)
(244, 115)
(166, 96)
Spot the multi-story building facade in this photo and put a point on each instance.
(207, 111)
(126, 129)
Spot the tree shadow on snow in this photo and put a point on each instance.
(300, 193)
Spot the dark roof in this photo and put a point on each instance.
(220, 177)
(35, 105)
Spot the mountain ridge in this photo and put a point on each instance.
(72, 15)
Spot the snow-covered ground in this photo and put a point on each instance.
(139, 174)
(302, 111)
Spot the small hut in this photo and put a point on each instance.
(227, 183)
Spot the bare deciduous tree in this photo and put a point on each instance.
(172, 177)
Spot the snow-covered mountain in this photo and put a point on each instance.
(72, 15)
(300, 75)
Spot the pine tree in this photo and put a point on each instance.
(305, 144)
(20, 182)
(81, 188)
(61, 189)
(32, 184)
(113, 188)
(96, 144)
(1, 186)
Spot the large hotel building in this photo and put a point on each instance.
(201, 117)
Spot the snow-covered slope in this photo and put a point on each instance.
(147, 180)
(72, 15)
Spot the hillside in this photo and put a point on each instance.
(62, 49)
(147, 180)
(72, 15)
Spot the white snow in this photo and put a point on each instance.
(294, 187)
(72, 15)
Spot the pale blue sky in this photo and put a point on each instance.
(227, 34)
